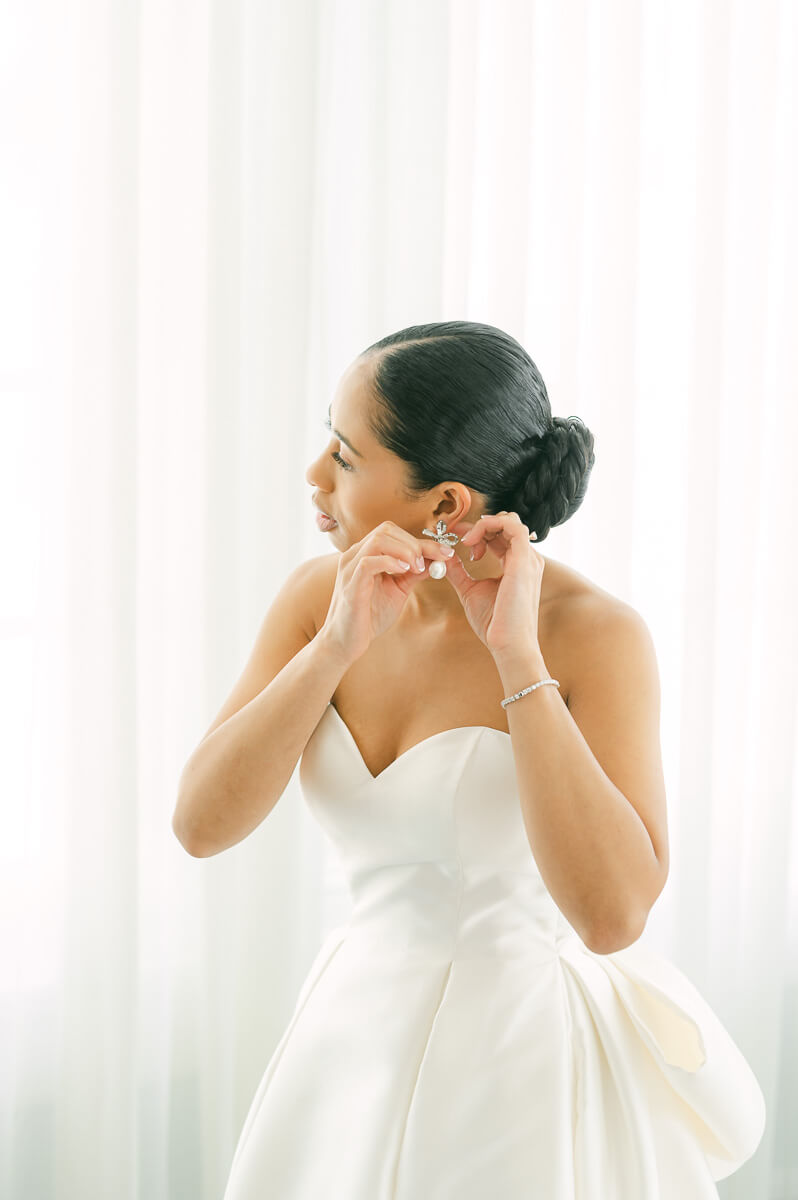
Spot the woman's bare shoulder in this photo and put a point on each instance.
(575, 609)
(569, 591)
(321, 572)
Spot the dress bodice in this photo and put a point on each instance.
(434, 847)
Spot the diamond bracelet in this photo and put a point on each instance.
(509, 699)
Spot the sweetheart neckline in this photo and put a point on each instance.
(430, 738)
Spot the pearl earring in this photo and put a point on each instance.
(437, 569)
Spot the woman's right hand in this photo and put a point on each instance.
(372, 585)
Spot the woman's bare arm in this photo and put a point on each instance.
(243, 764)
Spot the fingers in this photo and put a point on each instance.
(499, 530)
(456, 572)
(430, 549)
(392, 539)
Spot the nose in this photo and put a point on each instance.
(314, 475)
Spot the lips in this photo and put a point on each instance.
(323, 513)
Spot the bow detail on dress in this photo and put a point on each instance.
(633, 996)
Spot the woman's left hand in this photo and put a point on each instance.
(502, 612)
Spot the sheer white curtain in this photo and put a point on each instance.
(206, 211)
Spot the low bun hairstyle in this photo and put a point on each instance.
(464, 401)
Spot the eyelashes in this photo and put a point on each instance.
(335, 455)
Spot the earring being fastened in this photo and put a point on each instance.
(437, 569)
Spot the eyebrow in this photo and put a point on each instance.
(338, 433)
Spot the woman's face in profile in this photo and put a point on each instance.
(357, 481)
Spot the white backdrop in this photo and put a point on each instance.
(207, 210)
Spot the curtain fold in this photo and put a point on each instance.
(206, 212)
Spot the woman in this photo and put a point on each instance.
(478, 729)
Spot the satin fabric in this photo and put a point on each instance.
(456, 1040)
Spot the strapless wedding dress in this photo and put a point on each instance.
(455, 1039)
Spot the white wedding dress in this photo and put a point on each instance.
(456, 1040)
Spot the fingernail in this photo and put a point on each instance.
(471, 556)
(420, 562)
(448, 551)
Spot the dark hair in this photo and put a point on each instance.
(462, 400)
